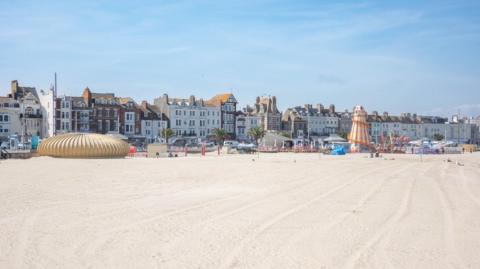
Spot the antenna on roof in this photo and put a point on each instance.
(55, 89)
(54, 104)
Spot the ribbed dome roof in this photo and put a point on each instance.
(81, 145)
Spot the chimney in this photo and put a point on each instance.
(274, 104)
(320, 108)
(385, 114)
(191, 100)
(144, 104)
(87, 96)
(14, 88)
(331, 109)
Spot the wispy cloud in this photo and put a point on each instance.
(395, 56)
(468, 110)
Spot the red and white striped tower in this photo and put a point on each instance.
(358, 136)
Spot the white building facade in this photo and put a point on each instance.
(10, 112)
(65, 115)
(418, 127)
(152, 129)
(245, 122)
(190, 117)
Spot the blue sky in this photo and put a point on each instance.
(401, 57)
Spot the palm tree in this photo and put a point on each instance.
(257, 133)
(220, 135)
(167, 133)
(343, 135)
(438, 137)
(286, 134)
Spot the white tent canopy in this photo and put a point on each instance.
(334, 138)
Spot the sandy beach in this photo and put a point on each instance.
(278, 211)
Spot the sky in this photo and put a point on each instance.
(397, 56)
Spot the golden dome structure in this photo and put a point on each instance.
(83, 145)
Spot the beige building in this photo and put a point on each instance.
(266, 109)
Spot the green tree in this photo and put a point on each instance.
(220, 135)
(343, 135)
(438, 137)
(167, 133)
(256, 133)
(286, 134)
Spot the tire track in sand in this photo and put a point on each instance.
(22, 242)
(387, 226)
(467, 191)
(91, 247)
(387, 237)
(448, 227)
(361, 203)
(229, 261)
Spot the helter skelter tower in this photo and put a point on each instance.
(358, 137)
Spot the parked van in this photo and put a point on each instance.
(231, 143)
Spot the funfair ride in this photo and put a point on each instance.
(358, 137)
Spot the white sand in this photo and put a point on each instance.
(231, 212)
